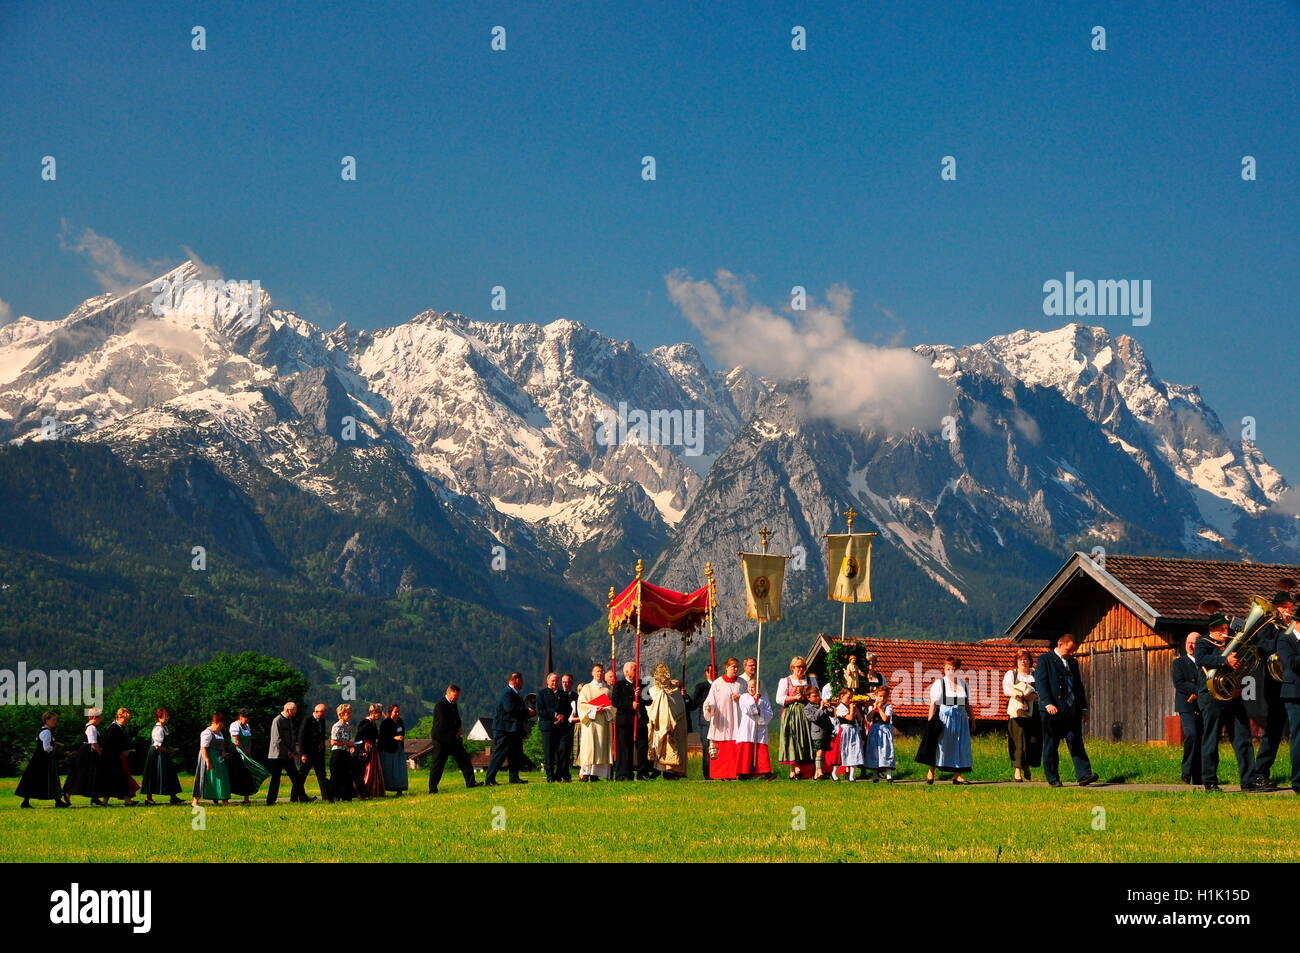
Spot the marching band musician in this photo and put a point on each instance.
(1215, 714)
(1269, 690)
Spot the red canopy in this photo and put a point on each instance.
(660, 608)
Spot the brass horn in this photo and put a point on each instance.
(1224, 683)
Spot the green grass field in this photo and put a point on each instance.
(695, 821)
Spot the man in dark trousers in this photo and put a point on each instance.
(1268, 689)
(552, 718)
(629, 752)
(1216, 714)
(508, 729)
(1288, 653)
(1064, 704)
(696, 703)
(564, 732)
(313, 738)
(1186, 676)
(282, 756)
(447, 742)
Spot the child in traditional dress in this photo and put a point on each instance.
(880, 737)
(41, 779)
(822, 721)
(853, 754)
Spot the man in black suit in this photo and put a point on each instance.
(508, 729)
(1268, 689)
(629, 752)
(1288, 653)
(564, 732)
(447, 742)
(1216, 714)
(552, 717)
(313, 738)
(696, 703)
(1186, 676)
(1064, 703)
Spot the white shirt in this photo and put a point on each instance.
(784, 686)
(92, 734)
(937, 692)
(158, 735)
(47, 740)
(754, 716)
(722, 712)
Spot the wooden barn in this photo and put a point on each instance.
(1131, 615)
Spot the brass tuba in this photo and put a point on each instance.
(1224, 683)
(1274, 663)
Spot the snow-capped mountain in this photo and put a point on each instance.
(463, 435)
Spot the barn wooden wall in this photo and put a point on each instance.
(1125, 667)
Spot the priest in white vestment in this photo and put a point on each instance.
(595, 730)
(722, 709)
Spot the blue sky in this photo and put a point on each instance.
(522, 168)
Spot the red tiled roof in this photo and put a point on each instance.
(910, 667)
(1175, 588)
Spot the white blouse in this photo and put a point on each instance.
(341, 732)
(209, 736)
(92, 734)
(159, 736)
(47, 740)
(789, 683)
(938, 688)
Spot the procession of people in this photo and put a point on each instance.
(626, 726)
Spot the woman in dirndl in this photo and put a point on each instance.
(343, 784)
(392, 751)
(40, 781)
(945, 746)
(84, 779)
(159, 772)
(246, 772)
(211, 774)
(797, 749)
(369, 772)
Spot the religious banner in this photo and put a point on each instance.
(848, 565)
(764, 577)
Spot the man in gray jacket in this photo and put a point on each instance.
(281, 757)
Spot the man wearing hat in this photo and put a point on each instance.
(1216, 714)
(1268, 690)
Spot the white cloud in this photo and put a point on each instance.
(850, 382)
(113, 268)
(6, 313)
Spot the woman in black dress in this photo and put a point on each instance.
(370, 775)
(115, 775)
(84, 780)
(343, 785)
(41, 779)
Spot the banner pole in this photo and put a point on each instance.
(636, 673)
(713, 658)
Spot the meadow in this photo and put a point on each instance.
(695, 821)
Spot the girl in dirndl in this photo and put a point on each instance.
(946, 743)
(41, 779)
(159, 772)
(84, 779)
(211, 775)
(880, 736)
(853, 745)
(246, 772)
(392, 751)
